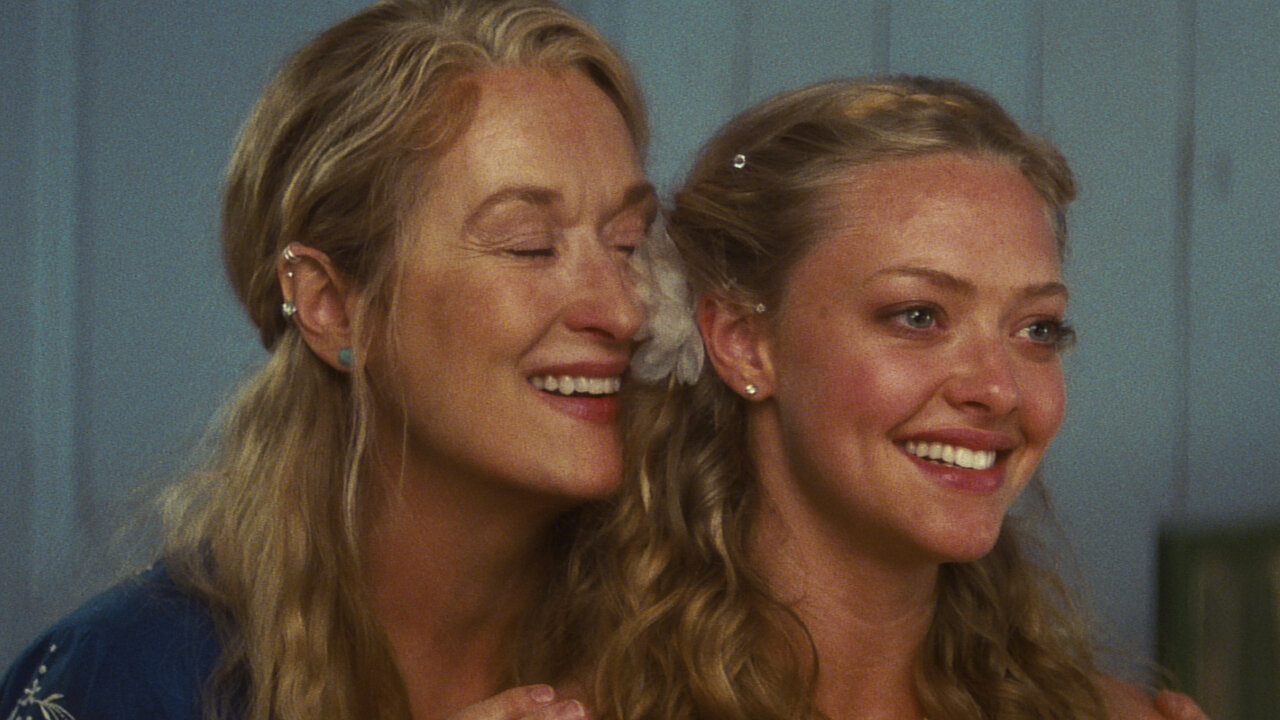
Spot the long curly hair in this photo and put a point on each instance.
(690, 627)
(267, 529)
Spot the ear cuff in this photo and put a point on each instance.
(288, 309)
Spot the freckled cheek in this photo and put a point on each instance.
(1044, 403)
(877, 388)
(456, 317)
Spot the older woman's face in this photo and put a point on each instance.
(915, 353)
(516, 316)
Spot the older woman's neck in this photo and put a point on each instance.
(451, 579)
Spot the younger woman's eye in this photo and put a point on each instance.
(1055, 333)
(918, 318)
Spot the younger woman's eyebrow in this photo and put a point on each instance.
(934, 277)
(950, 282)
(1048, 289)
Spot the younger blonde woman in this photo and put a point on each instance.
(818, 525)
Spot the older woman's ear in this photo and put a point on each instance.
(736, 338)
(320, 301)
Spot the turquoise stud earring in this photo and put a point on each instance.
(346, 357)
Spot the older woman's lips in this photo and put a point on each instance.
(579, 385)
(586, 391)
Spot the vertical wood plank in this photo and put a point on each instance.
(56, 303)
(684, 55)
(1111, 97)
(1234, 361)
(165, 89)
(993, 44)
(18, 24)
(792, 44)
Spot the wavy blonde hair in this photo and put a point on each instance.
(267, 531)
(692, 629)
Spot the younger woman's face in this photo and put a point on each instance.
(915, 374)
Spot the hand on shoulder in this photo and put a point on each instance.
(528, 702)
(1178, 706)
(1126, 701)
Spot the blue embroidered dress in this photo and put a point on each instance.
(141, 650)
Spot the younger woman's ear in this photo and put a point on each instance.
(322, 301)
(736, 338)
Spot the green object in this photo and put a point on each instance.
(1219, 618)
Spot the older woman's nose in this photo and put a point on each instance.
(605, 300)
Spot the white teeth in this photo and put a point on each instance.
(952, 455)
(567, 385)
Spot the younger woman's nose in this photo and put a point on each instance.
(983, 379)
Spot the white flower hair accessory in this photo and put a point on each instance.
(670, 342)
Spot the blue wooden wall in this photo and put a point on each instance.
(122, 337)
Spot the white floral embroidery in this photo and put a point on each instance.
(31, 701)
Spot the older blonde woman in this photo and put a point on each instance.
(428, 218)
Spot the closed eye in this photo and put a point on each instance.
(627, 234)
(547, 252)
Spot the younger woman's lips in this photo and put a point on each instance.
(968, 480)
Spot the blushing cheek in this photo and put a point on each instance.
(904, 381)
(1048, 400)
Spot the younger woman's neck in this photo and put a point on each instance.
(868, 618)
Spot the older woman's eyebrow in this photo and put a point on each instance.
(640, 194)
(530, 194)
(950, 282)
